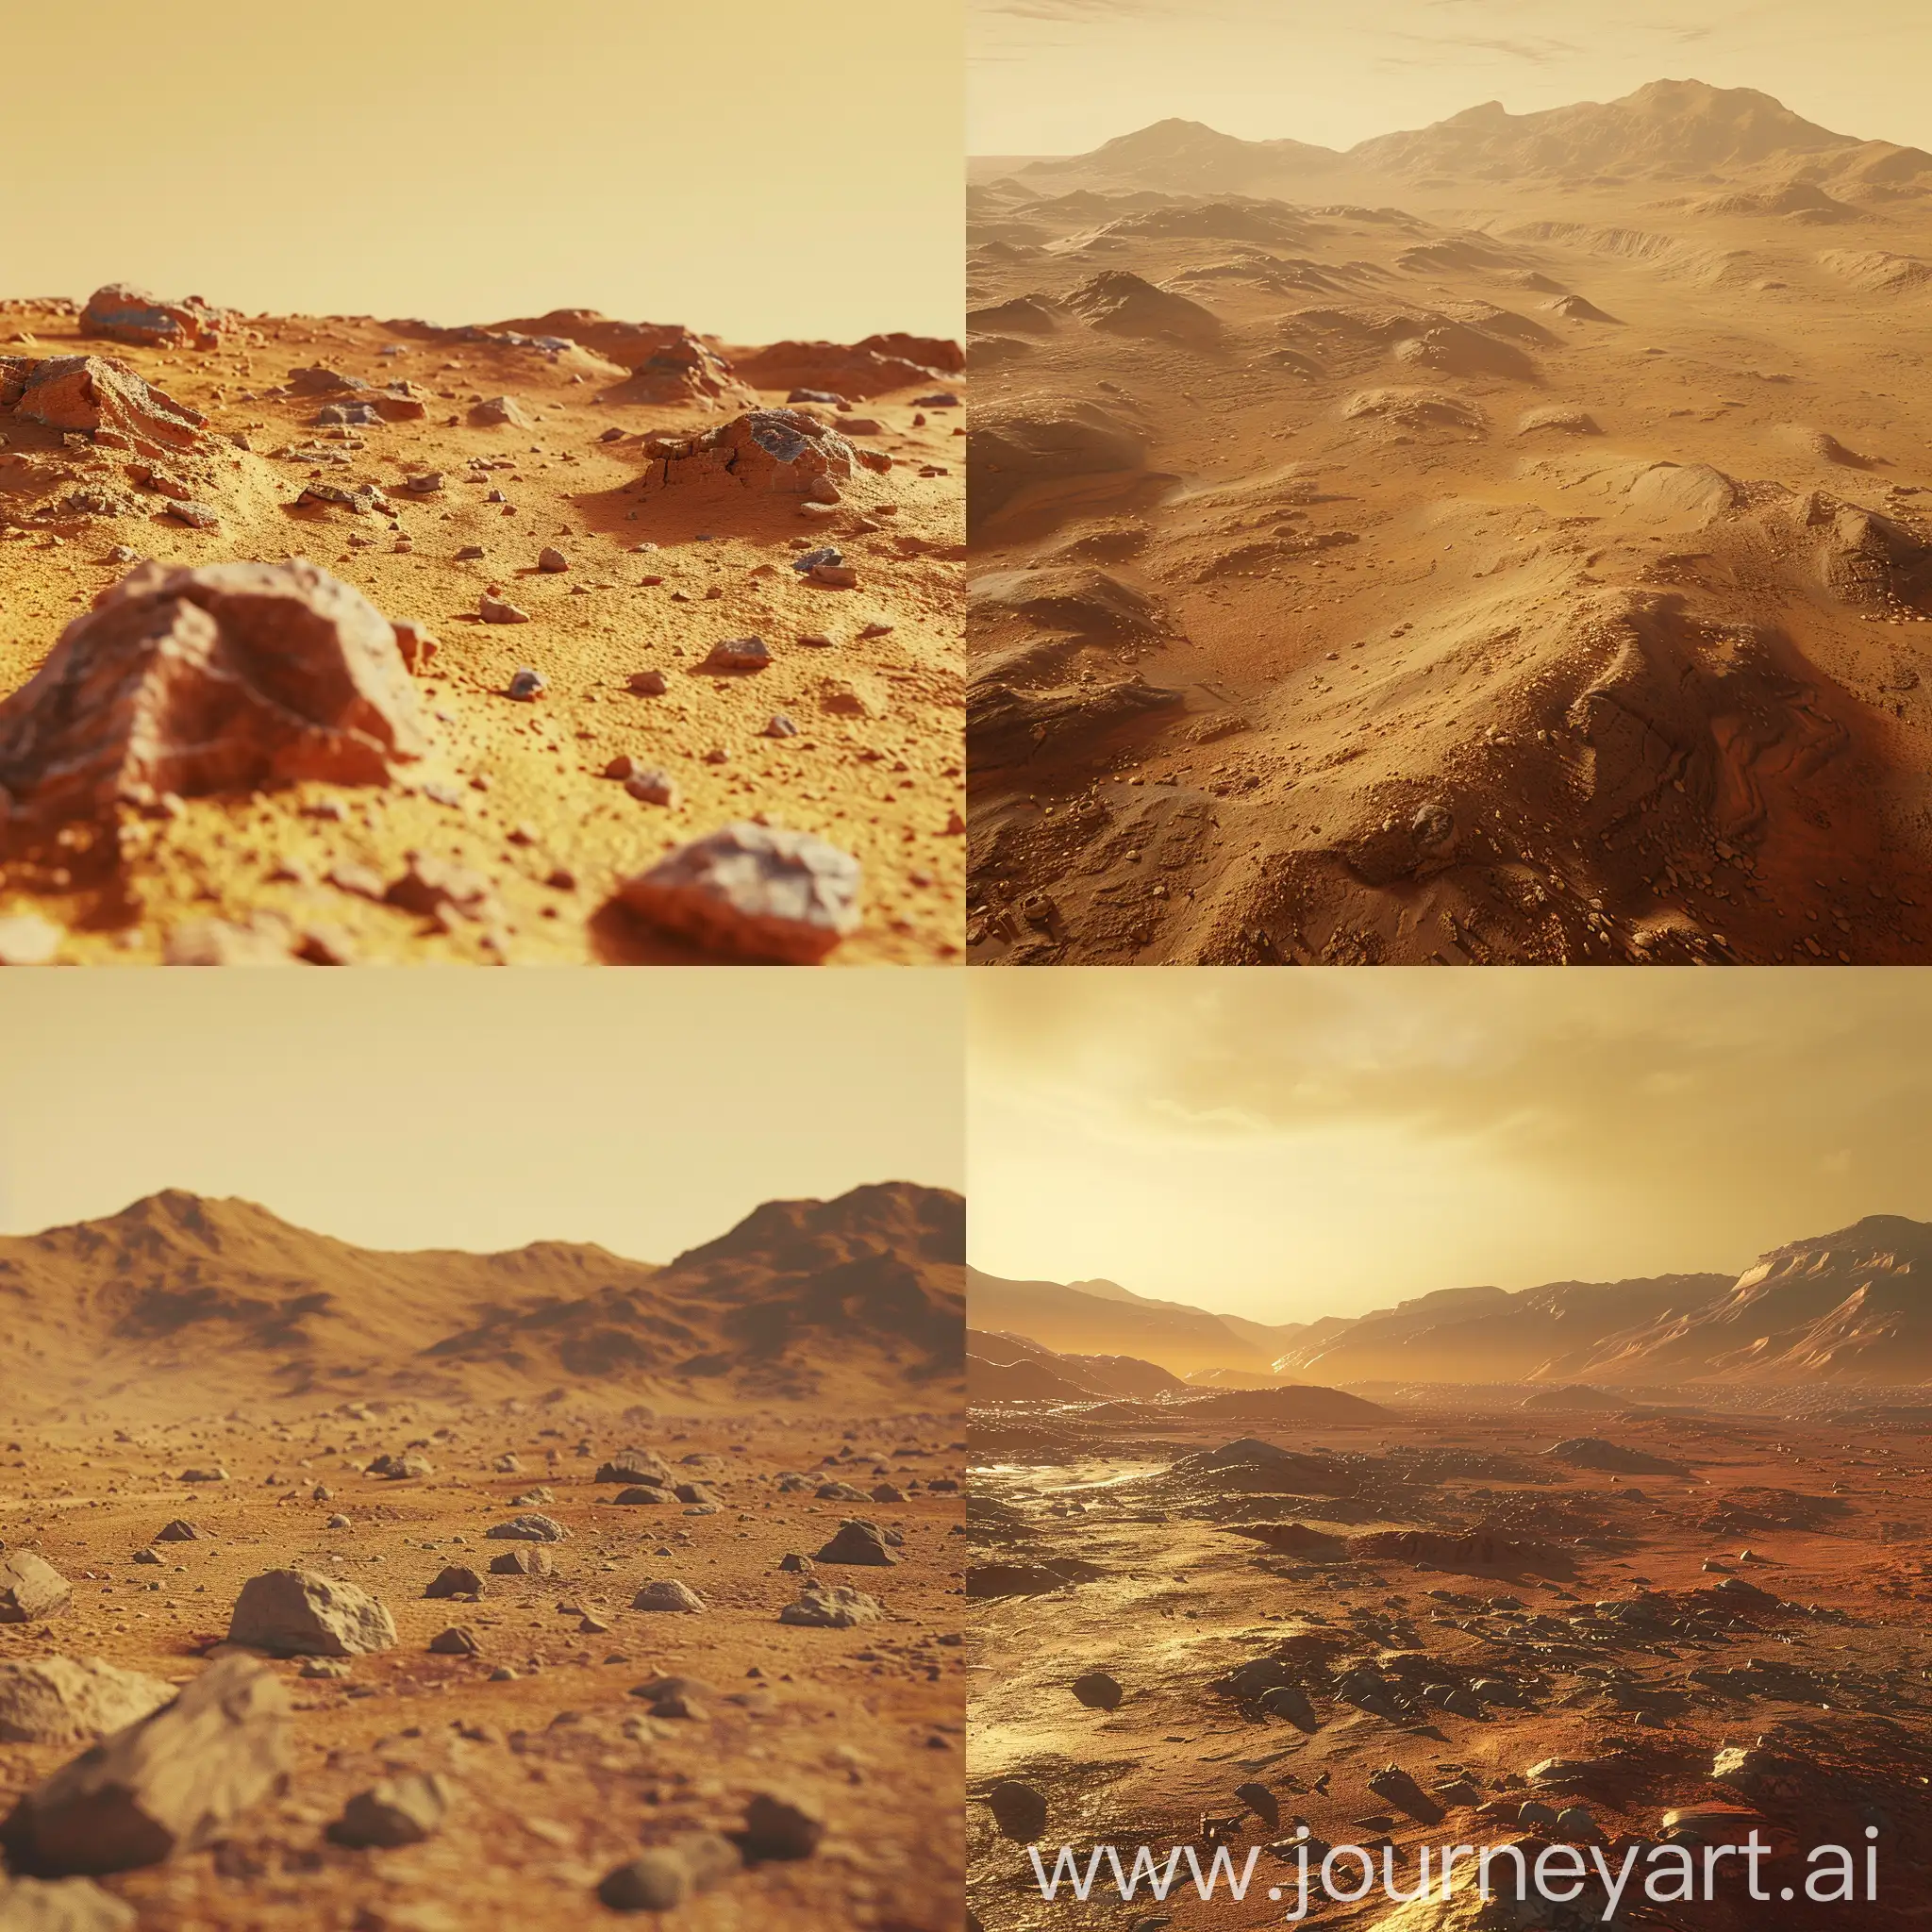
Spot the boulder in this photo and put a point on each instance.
(529, 1529)
(170, 1784)
(126, 314)
(29, 1587)
(63, 1699)
(635, 1466)
(639, 1494)
(455, 1580)
(527, 1559)
(756, 891)
(786, 451)
(401, 1810)
(216, 679)
(832, 1607)
(858, 1541)
(458, 1640)
(668, 1595)
(301, 1613)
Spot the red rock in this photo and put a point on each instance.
(93, 393)
(784, 450)
(216, 679)
(126, 314)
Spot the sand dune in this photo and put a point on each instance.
(1487, 633)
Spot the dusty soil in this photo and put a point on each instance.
(1608, 1608)
(515, 791)
(560, 1773)
(1450, 566)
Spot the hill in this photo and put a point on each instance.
(179, 1300)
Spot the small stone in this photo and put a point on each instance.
(658, 1880)
(458, 1640)
(740, 653)
(779, 1827)
(654, 786)
(401, 1810)
(532, 1560)
(650, 684)
(533, 1529)
(781, 726)
(669, 1595)
(469, 553)
(525, 684)
(839, 577)
(1018, 1810)
(1098, 1691)
(455, 1580)
(551, 558)
(754, 890)
(494, 611)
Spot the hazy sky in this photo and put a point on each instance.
(1059, 77)
(751, 168)
(469, 1109)
(1287, 1144)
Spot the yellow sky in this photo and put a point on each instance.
(1285, 1145)
(750, 168)
(1059, 77)
(477, 1110)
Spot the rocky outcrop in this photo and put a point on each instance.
(126, 314)
(786, 451)
(300, 1613)
(99, 397)
(207, 680)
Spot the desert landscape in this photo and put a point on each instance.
(1603, 1565)
(405, 1592)
(557, 639)
(1504, 541)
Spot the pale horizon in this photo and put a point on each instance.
(748, 171)
(1054, 77)
(1284, 1146)
(471, 1110)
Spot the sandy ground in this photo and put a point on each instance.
(1828, 1679)
(560, 1773)
(1466, 571)
(516, 791)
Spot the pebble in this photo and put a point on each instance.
(653, 787)
(740, 653)
(525, 684)
(551, 558)
(494, 611)
(781, 726)
(754, 890)
(650, 684)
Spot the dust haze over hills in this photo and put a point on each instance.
(1507, 540)
(1844, 1308)
(179, 1303)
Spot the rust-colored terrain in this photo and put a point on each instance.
(1670, 1607)
(511, 491)
(1509, 542)
(369, 1418)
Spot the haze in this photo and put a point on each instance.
(1061, 76)
(475, 1109)
(1284, 1146)
(745, 169)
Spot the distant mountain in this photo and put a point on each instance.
(1011, 1368)
(178, 1299)
(1491, 1334)
(1103, 1318)
(1853, 1306)
(1665, 129)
